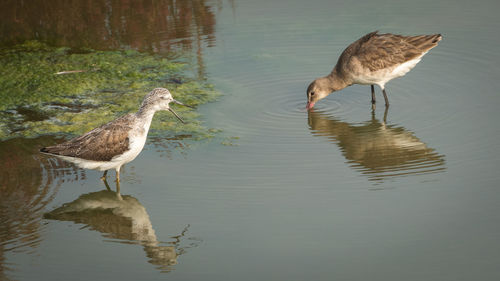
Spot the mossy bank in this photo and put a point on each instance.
(94, 88)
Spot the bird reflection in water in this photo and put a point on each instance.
(376, 149)
(123, 218)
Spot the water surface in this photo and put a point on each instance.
(340, 193)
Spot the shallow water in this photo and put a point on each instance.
(342, 193)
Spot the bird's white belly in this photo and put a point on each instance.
(382, 76)
(135, 147)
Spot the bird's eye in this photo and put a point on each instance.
(312, 94)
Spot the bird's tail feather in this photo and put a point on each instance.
(425, 42)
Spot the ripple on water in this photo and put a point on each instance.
(29, 183)
(279, 129)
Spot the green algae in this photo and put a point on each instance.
(230, 141)
(35, 100)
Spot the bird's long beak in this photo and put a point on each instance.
(176, 115)
(178, 102)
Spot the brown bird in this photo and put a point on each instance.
(373, 59)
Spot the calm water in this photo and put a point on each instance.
(342, 193)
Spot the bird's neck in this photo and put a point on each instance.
(146, 111)
(336, 81)
(145, 115)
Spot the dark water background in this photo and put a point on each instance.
(342, 193)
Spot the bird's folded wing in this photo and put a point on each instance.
(381, 51)
(100, 144)
(385, 51)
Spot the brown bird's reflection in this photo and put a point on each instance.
(122, 217)
(378, 150)
(28, 183)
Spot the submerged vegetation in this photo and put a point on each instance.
(51, 91)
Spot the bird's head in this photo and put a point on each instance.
(160, 99)
(318, 89)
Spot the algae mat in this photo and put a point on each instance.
(61, 91)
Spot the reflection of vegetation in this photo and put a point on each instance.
(160, 26)
(376, 149)
(34, 100)
(27, 184)
(123, 218)
(144, 25)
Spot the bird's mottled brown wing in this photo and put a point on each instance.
(378, 51)
(100, 144)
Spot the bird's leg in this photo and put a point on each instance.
(118, 184)
(385, 114)
(118, 191)
(118, 187)
(385, 97)
(106, 184)
(373, 98)
(104, 175)
(373, 95)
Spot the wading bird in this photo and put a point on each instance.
(118, 142)
(373, 59)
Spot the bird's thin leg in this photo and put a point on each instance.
(104, 175)
(374, 106)
(385, 97)
(118, 184)
(118, 190)
(373, 95)
(106, 184)
(385, 114)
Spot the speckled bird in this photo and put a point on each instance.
(118, 142)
